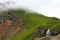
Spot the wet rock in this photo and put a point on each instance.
(39, 32)
(55, 31)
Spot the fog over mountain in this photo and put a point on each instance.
(45, 7)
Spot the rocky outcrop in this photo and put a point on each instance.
(10, 23)
(41, 32)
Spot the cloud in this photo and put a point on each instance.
(46, 7)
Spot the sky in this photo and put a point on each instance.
(49, 8)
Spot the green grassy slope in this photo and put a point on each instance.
(31, 21)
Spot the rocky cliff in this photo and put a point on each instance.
(10, 24)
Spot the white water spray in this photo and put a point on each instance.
(48, 33)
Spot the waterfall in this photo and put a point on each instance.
(48, 33)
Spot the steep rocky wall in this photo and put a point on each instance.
(10, 23)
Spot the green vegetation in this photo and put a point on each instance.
(33, 20)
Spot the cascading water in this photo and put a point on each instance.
(48, 33)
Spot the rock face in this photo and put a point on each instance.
(10, 23)
(39, 32)
(42, 33)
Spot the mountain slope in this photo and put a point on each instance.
(31, 21)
